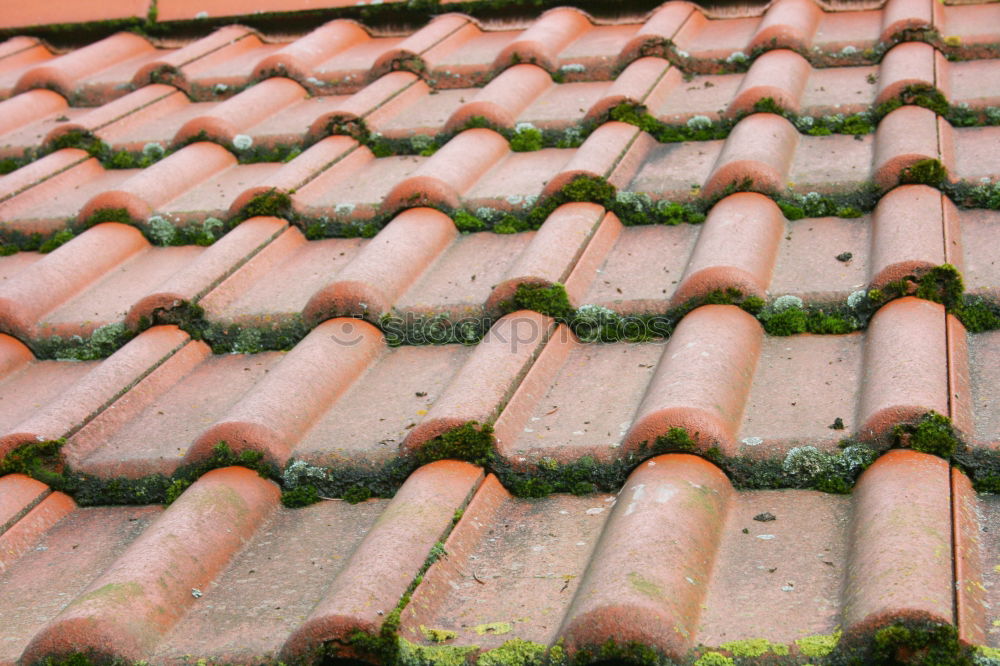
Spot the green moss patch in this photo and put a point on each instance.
(924, 172)
(933, 434)
(550, 300)
(472, 442)
(42, 461)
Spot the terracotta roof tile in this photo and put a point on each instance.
(585, 337)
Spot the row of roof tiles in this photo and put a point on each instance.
(400, 105)
(265, 274)
(453, 51)
(164, 400)
(338, 181)
(678, 562)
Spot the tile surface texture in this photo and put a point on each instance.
(659, 337)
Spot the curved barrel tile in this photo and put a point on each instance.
(907, 234)
(27, 296)
(613, 152)
(702, 381)
(387, 266)
(99, 389)
(491, 375)
(297, 59)
(757, 155)
(64, 73)
(545, 39)
(311, 377)
(451, 171)
(908, 135)
(904, 371)
(172, 67)
(553, 253)
(737, 249)
(154, 186)
(672, 509)
(787, 24)
(657, 34)
(900, 563)
(780, 76)
(239, 113)
(504, 98)
(380, 569)
(128, 609)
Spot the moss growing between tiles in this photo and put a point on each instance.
(933, 434)
(471, 442)
(549, 300)
(925, 172)
(629, 652)
(388, 647)
(273, 203)
(802, 467)
(39, 460)
(978, 315)
(42, 461)
(103, 342)
(517, 652)
(305, 484)
(918, 643)
(817, 646)
(915, 95)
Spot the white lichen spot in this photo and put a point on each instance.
(153, 149)
(765, 537)
(849, 50)
(421, 142)
(574, 68)
(161, 230)
(699, 122)
(683, 54)
(786, 302)
(201, 15)
(220, 88)
(242, 141)
(753, 441)
(736, 56)
(344, 209)
(594, 511)
(804, 461)
(856, 298)
(805, 123)
(523, 127)
(515, 199)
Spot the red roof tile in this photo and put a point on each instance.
(661, 337)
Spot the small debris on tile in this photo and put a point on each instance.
(838, 424)
(196, 593)
(765, 517)
(421, 394)
(845, 256)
